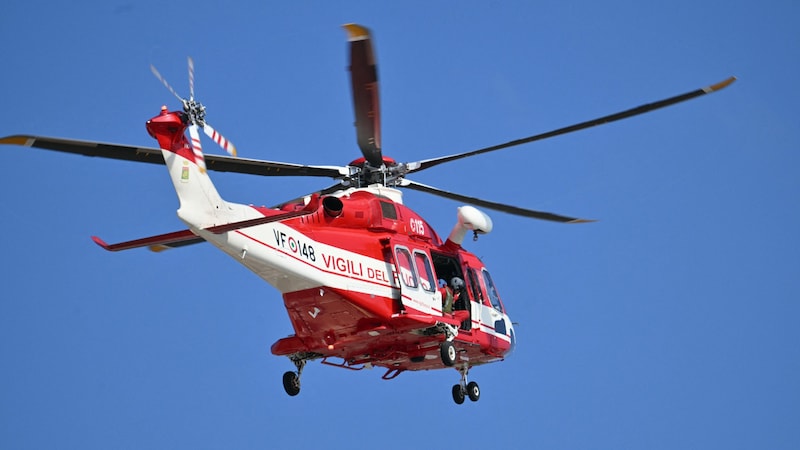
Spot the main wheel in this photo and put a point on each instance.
(291, 383)
(448, 353)
(473, 391)
(458, 394)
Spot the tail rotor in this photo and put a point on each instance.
(196, 116)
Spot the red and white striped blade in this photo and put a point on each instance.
(197, 148)
(164, 82)
(220, 140)
(191, 78)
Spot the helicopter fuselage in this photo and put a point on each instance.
(364, 278)
(360, 281)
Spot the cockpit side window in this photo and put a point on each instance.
(475, 285)
(494, 297)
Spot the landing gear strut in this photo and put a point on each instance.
(463, 389)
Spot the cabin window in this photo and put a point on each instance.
(406, 267)
(423, 264)
(492, 291)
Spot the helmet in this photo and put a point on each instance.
(457, 283)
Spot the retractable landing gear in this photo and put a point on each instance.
(463, 389)
(291, 380)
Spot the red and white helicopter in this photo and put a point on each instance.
(366, 281)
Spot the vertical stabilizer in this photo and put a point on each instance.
(200, 203)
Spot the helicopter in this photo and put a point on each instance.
(366, 281)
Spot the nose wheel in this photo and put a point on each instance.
(464, 390)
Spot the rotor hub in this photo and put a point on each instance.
(195, 111)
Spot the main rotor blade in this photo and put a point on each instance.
(492, 205)
(364, 79)
(154, 156)
(428, 163)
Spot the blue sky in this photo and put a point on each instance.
(672, 322)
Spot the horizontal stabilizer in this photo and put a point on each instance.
(157, 243)
(188, 237)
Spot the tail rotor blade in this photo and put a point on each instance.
(197, 147)
(220, 140)
(165, 83)
(191, 78)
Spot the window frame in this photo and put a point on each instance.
(491, 291)
(430, 279)
(411, 267)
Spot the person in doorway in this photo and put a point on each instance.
(457, 286)
(447, 297)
